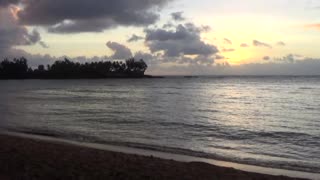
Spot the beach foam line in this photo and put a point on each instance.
(170, 156)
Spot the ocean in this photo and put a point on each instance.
(264, 121)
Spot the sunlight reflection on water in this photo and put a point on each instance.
(269, 121)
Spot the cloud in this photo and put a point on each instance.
(120, 51)
(4, 3)
(219, 57)
(198, 60)
(290, 58)
(43, 44)
(228, 50)
(178, 16)
(153, 61)
(184, 40)
(205, 28)
(168, 25)
(306, 66)
(312, 26)
(80, 26)
(290, 64)
(260, 44)
(32, 38)
(189, 66)
(244, 45)
(227, 41)
(13, 34)
(75, 16)
(281, 43)
(135, 38)
(145, 56)
(160, 59)
(266, 58)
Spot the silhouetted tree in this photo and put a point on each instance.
(134, 66)
(41, 68)
(64, 69)
(17, 69)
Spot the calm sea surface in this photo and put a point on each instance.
(266, 121)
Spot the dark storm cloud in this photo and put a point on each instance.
(178, 16)
(244, 45)
(261, 44)
(227, 41)
(32, 38)
(4, 3)
(13, 34)
(68, 16)
(135, 38)
(120, 51)
(79, 26)
(184, 40)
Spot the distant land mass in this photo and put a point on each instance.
(66, 69)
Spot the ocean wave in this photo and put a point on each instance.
(206, 116)
(307, 88)
(297, 165)
(184, 125)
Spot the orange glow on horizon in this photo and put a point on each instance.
(241, 56)
(312, 26)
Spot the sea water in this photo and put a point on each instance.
(263, 121)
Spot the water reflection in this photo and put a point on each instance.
(250, 120)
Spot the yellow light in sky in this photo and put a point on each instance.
(240, 57)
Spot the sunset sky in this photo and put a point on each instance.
(173, 36)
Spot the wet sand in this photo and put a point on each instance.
(25, 158)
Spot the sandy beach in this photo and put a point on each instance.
(25, 158)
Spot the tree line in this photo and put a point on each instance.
(65, 69)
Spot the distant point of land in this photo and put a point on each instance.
(66, 69)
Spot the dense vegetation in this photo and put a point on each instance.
(66, 69)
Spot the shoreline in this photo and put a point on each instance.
(146, 155)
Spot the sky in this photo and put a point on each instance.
(174, 37)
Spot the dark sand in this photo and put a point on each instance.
(23, 158)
